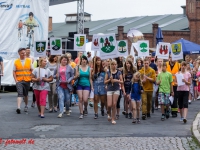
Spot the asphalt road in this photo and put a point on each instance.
(29, 125)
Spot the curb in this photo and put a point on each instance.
(195, 125)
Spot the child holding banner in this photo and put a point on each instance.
(41, 77)
(148, 78)
(113, 78)
(98, 75)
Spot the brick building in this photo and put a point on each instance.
(174, 27)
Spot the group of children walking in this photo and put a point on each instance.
(109, 82)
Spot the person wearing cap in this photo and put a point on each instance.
(22, 75)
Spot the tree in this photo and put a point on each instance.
(53, 43)
(143, 45)
(40, 45)
(77, 40)
(122, 44)
(101, 41)
(111, 39)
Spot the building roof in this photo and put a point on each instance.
(175, 22)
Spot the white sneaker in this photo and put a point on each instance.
(64, 110)
(189, 101)
(81, 116)
(26, 109)
(198, 98)
(68, 113)
(60, 115)
(181, 120)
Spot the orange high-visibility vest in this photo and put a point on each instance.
(23, 72)
(174, 70)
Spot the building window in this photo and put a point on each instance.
(191, 7)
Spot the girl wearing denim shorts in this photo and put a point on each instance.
(98, 76)
(84, 85)
(129, 70)
(135, 95)
(113, 78)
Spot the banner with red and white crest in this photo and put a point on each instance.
(162, 50)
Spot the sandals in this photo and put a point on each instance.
(134, 121)
(113, 122)
(109, 118)
(50, 110)
(55, 109)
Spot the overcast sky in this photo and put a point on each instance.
(108, 9)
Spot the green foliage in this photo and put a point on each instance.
(122, 44)
(101, 41)
(53, 43)
(143, 45)
(111, 39)
(77, 39)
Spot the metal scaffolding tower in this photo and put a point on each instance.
(80, 16)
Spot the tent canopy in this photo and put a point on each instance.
(189, 47)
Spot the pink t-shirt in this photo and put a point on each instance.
(63, 79)
(185, 87)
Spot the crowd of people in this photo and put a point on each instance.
(146, 85)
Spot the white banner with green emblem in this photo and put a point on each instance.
(56, 46)
(80, 42)
(122, 47)
(108, 46)
(176, 51)
(40, 48)
(143, 48)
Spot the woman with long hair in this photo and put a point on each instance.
(84, 85)
(41, 76)
(139, 64)
(52, 95)
(98, 76)
(129, 70)
(113, 78)
(64, 75)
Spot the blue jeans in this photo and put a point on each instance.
(64, 98)
(75, 97)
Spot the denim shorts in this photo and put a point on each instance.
(79, 87)
(163, 99)
(136, 100)
(99, 90)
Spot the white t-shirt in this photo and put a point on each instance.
(42, 85)
(89, 58)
